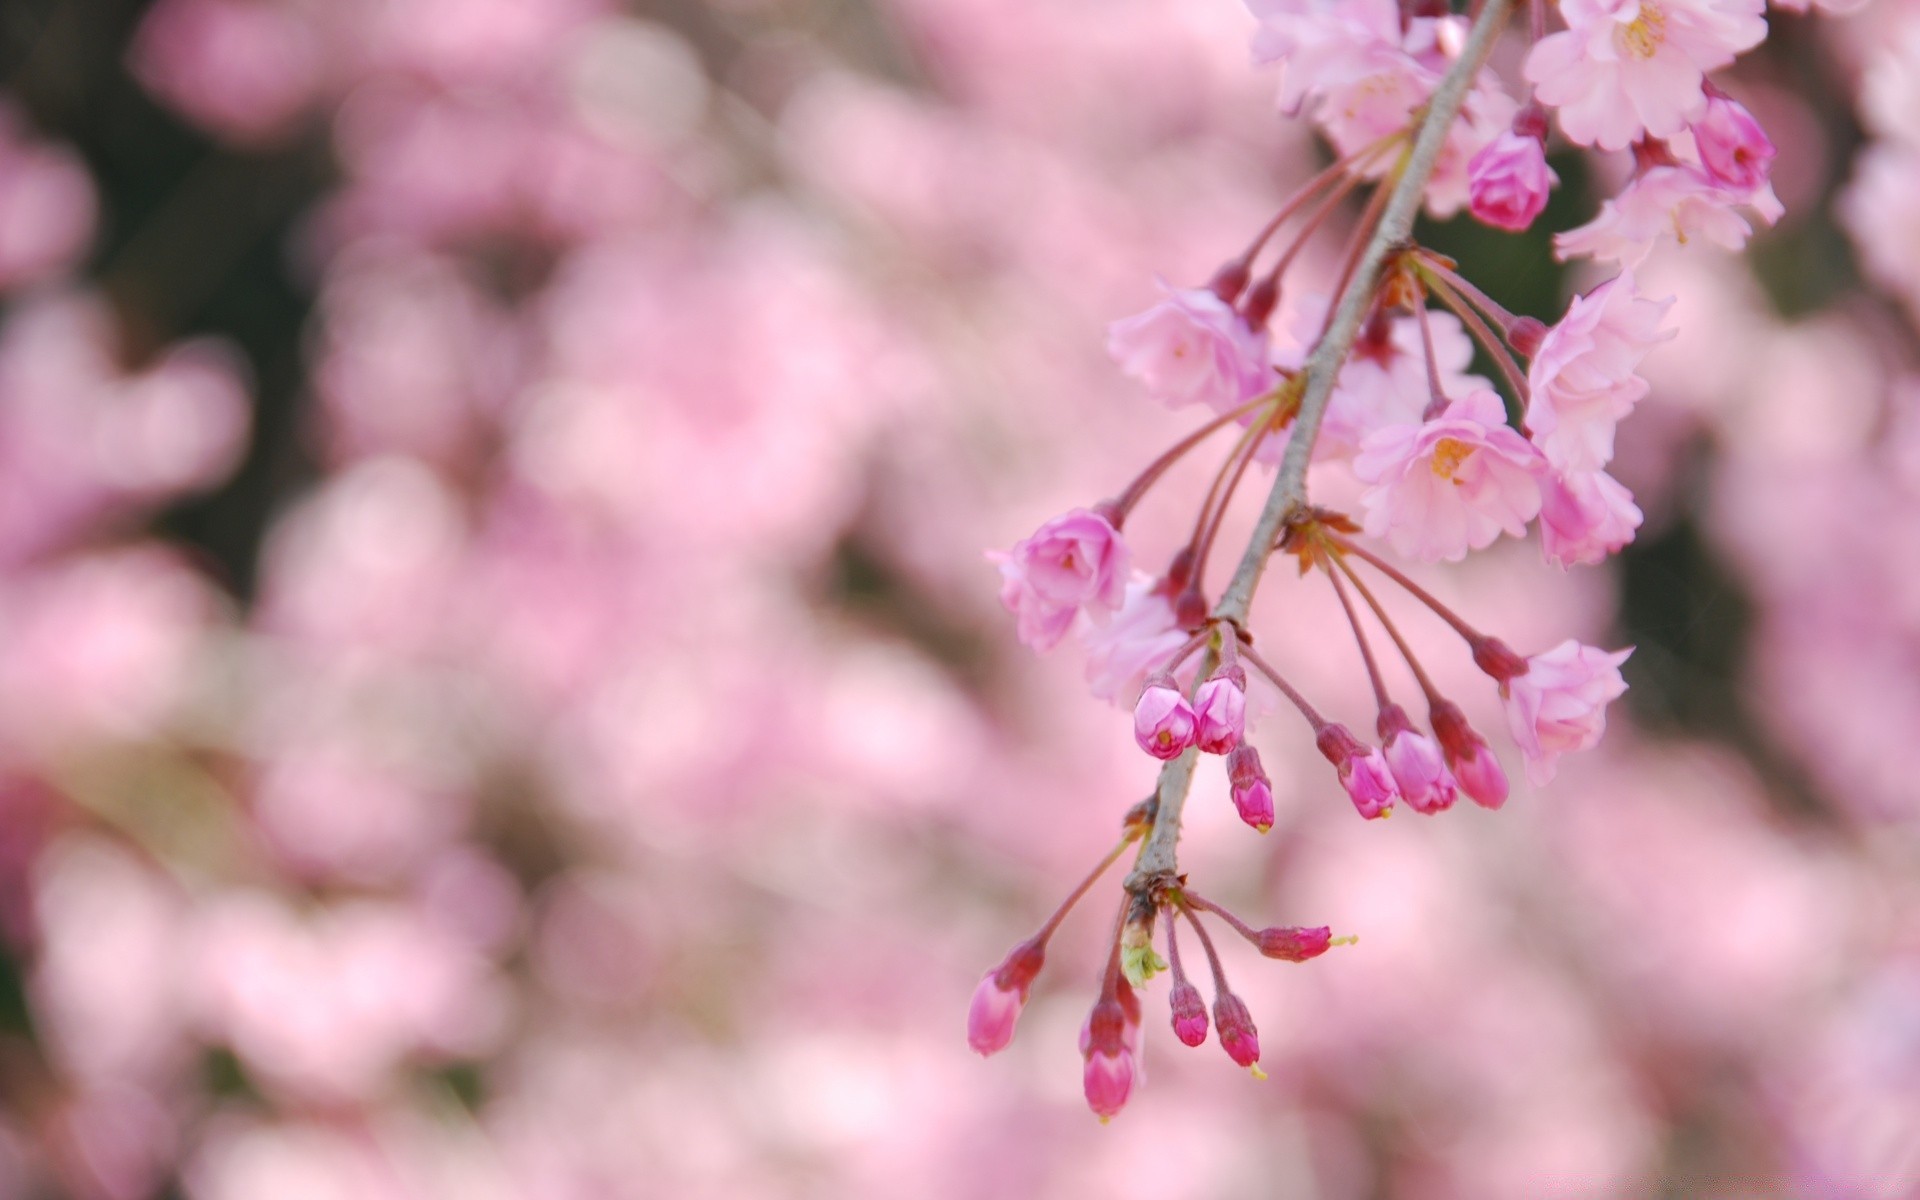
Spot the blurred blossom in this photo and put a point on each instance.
(242, 69)
(47, 206)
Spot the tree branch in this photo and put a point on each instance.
(1157, 862)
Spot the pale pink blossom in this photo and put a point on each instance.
(1584, 517)
(1452, 484)
(1508, 181)
(1252, 791)
(1582, 379)
(1624, 68)
(1238, 1037)
(1192, 348)
(1073, 563)
(1141, 638)
(1734, 150)
(1679, 202)
(1559, 704)
(47, 206)
(1189, 1012)
(1220, 710)
(1163, 721)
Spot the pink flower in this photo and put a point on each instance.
(1734, 151)
(1560, 703)
(1142, 637)
(1384, 381)
(1452, 484)
(1109, 1074)
(1000, 997)
(1291, 943)
(1363, 771)
(1474, 767)
(1163, 721)
(1508, 181)
(1075, 561)
(1189, 1013)
(1583, 379)
(241, 70)
(1220, 709)
(1252, 792)
(1415, 762)
(1678, 202)
(47, 207)
(1623, 68)
(1192, 348)
(1238, 1037)
(1584, 517)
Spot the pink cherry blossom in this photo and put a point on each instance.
(1560, 703)
(1734, 150)
(1508, 181)
(1666, 202)
(1192, 348)
(47, 206)
(1163, 721)
(1140, 639)
(1583, 380)
(1075, 562)
(1450, 485)
(1220, 709)
(1584, 517)
(1623, 68)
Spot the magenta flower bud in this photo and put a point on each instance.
(1474, 767)
(1220, 711)
(1416, 764)
(1508, 181)
(1363, 771)
(1163, 721)
(1189, 1013)
(1294, 943)
(1252, 793)
(1734, 150)
(1000, 997)
(1238, 1037)
(1526, 335)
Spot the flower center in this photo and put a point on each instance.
(1448, 454)
(1641, 38)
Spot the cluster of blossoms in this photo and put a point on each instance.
(1442, 463)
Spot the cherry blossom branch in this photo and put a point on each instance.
(1157, 862)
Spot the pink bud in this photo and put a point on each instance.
(1163, 721)
(1252, 793)
(1294, 943)
(1497, 659)
(1415, 762)
(1220, 710)
(1474, 767)
(1238, 1037)
(1508, 181)
(1108, 1078)
(1363, 772)
(1000, 997)
(1733, 148)
(1189, 1013)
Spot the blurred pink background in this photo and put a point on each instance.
(513, 705)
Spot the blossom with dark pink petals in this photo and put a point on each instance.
(1238, 1037)
(1294, 943)
(1252, 791)
(1734, 150)
(1474, 767)
(1220, 709)
(1363, 771)
(1000, 997)
(1416, 763)
(1163, 721)
(1189, 1013)
(1109, 1073)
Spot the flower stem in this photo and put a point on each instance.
(1419, 593)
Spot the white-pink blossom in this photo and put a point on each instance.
(1192, 348)
(1584, 517)
(1624, 68)
(1559, 704)
(1678, 202)
(1450, 485)
(1074, 562)
(1583, 377)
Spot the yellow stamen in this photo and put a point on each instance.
(1448, 454)
(1642, 37)
(1257, 1073)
